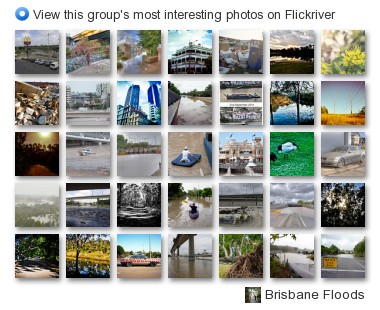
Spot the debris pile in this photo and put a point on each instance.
(36, 104)
(249, 265)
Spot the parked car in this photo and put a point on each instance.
(139, 260)
(47, 63)
(343, 155)
(54, 65)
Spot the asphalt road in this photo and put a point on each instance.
(26, 67)
(347, 268)
(138, 272)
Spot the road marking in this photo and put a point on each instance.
(358, 263)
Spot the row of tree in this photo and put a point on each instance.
(177, 190)
(207, 92)
(325, 110)
(123, 253)
(304, 52)
(123, 143)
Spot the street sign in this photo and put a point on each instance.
(330, 262)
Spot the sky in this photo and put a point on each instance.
(280, 39)
(139, 242)
(191, 186)
(180, 38)
(84, 86)
(240, 188)
(239, 136)
(291, 192)
(150, 137)
(45, 138)
(201, 242)
(340, 93)
(242, 34)
(122, 90)
(342, 241)
(187, 86)
(303, 241)
(89, 192)
(37, 37)
(37, 189)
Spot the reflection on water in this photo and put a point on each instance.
(287, 115)
(295, 258)
(179, 212)
(194, 111)
(138, 165)
(88, 269)
(182, 267)
(233, 91)
(290, 59)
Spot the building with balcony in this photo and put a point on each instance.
(191, 59)
(238, 153)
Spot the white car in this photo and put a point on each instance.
(54, 65)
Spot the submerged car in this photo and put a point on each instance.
(139, 260)
(343, 155)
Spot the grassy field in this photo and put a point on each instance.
(342, 119)
(223, 270)
(289, 67)
(300, 162)
(97, 256)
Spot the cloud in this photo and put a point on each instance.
(240, 188)
(202, 242)
(242, 34)
(291, 192)
(342, 241)
(290, 38)
(302, 241)
(150, 137)
(180, 38)
(37, 37)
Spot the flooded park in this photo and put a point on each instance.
(88, 268)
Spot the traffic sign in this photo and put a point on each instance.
(330, 262)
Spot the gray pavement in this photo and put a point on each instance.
(347, 268)
(27, 67)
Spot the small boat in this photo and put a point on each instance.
(242, 96)
(194, 215)
(85, 152)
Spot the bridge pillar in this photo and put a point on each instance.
(191, 248)
(178, 252)
(100, 143)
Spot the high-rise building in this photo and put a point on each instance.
(133, 96)
(68, 96)
(154, 96)
(103, 90)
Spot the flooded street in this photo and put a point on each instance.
(179, 212)
(195, 111)
(88, 216)
(138, 165)
(182, 267)
(98, 164)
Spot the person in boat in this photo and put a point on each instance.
(193, 208)
(185, 155)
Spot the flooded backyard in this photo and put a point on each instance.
(195, 111)
(179, 212)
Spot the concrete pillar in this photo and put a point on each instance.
(191, 248)
(178, 252)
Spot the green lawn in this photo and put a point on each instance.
(292, 68)
(300, 162)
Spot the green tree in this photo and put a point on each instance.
(359, 249)
(120, 251)
(173, 88)
(150, 40)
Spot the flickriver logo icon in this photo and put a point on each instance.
(22, 13)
